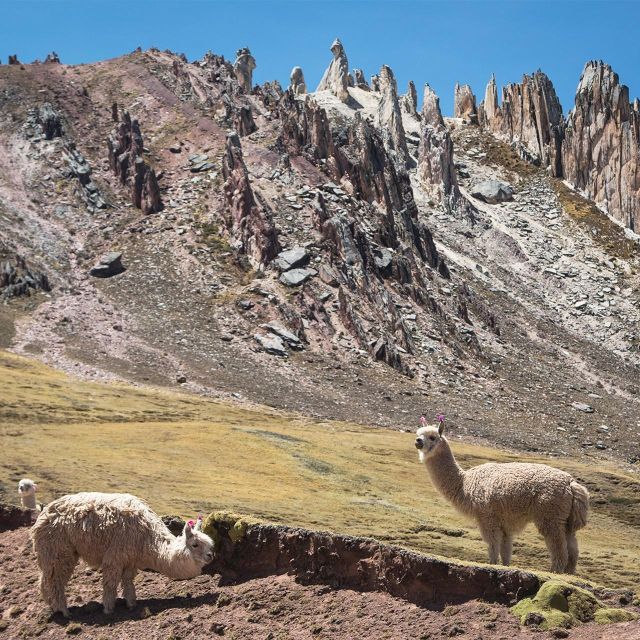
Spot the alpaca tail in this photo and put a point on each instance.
(579, 508)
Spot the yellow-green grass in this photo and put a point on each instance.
(186, 454)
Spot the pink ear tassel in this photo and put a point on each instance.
(191, 524)
(423, 421)
(440, 417)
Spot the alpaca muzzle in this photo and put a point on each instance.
(419, 443)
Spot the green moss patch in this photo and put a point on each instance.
(606, 616)
(224, 524)
(560, 604)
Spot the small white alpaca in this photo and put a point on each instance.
(503, 498)
(27, 492)
(118, 533)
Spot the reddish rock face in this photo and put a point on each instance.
(125, 157)
(361, 564)
(249, 224)
(530, 116)
(601, 150)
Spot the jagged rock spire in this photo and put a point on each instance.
(243, 68)
(409, 101)
(359, 80)
(435, 154)
(464, 104)
(601, 150)
(336, 77)
(390, 119)
(250, 225)
(297, 84)
(530, 117)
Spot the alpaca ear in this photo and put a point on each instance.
(198, 526)
(188, 532)
(441, 428)
(35, 488)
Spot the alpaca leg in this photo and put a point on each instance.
(492, 535)
(128, 588)
(506, 548)
(111, 577)
(556, 541)
(53, 581)
(572, 548)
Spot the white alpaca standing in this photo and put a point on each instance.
(118, 533)
(503, 498)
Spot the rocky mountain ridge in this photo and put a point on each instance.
(324, 251)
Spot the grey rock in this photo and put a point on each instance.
(243, 68)
(271, 343)
(581, 406)
(292, 258)
(492, 191)
(282, 332)
(336, 77)
(110, 265)
(296, 277)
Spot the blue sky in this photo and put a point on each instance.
(435, 42)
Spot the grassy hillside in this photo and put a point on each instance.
(185, 455)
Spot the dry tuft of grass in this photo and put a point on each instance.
(601, 227)
(187, 454)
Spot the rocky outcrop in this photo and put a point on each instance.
(52, 58)
(436, 170)
(12, 517)
(247, 550)
(248, 222)
(125, 157)
(601, 150)
(297, 84)
(18, 279)
(464, 104)
(389, 119)
(359, 80)
(13, 59)
(243, 69)
(336, 77)
(530, 118)
(80, 169)
(409, 101)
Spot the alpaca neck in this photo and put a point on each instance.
(171, 559)
(446, 474)
(28, 501)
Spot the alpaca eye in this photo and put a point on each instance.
(431, 437)
(194, 545)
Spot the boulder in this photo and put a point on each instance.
(296, 277)
(271, 343)
(336, 77)
(492, 191)
(292, 258)
(282, 332)
(110, 265)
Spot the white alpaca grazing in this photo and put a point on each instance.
(503, 498)
(118, 533)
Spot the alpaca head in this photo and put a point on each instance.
(27, 487)
(429, 439)
(195, 548)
